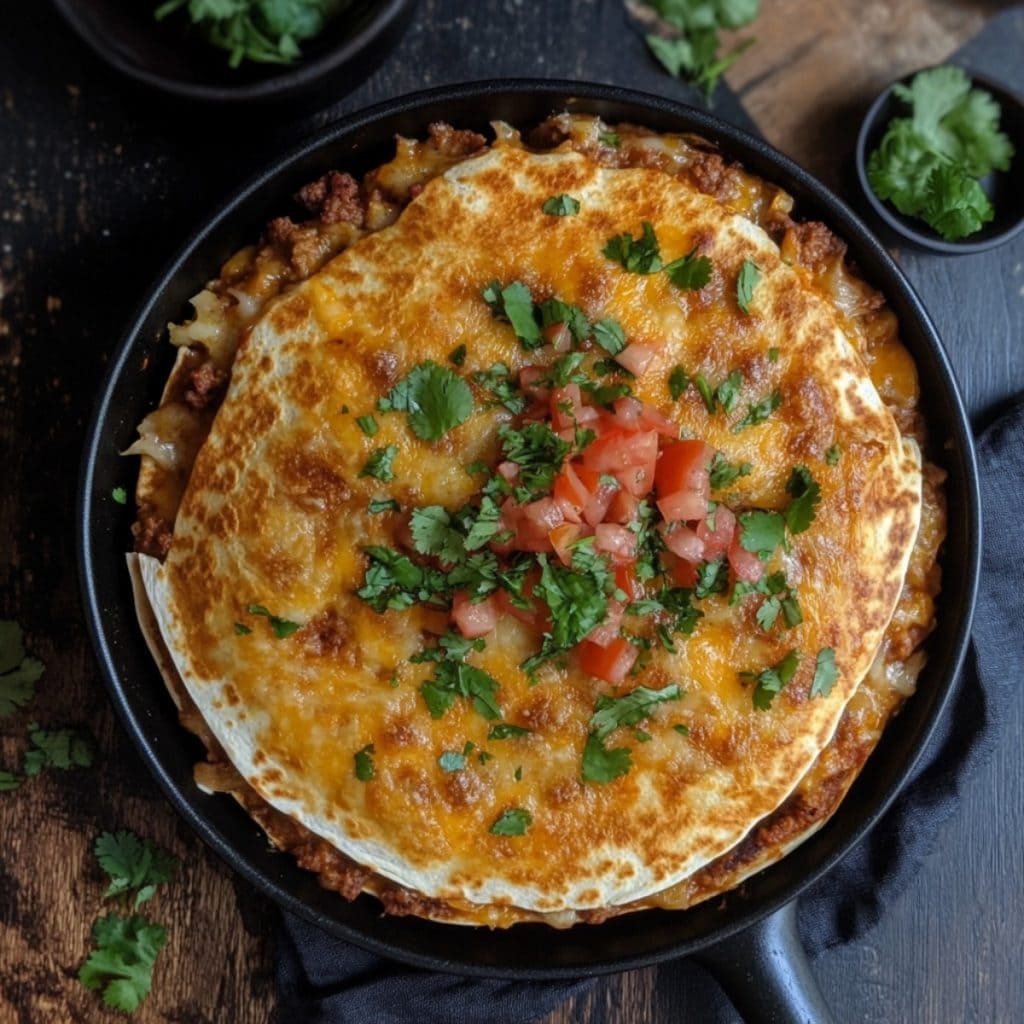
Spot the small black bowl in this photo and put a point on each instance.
(1002, 188)
(173, 57)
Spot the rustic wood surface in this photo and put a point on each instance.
(98, 183)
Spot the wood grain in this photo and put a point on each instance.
(98, 184)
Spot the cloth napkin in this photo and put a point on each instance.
(322, 980)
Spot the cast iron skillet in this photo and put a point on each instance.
(747, 938)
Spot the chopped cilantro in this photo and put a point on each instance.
(749, 277)
(19, 672)
(825, 673)
(634, 707)
(394, 581)
(435, 398)
(380, 464)
(561, 206)
(378, 505)
(555, 311)
(773, 355)
(538, 451)
(683, 730)
(122, 962)
(57, 748)
(678, 382)
(454, 679)
(610, 336)
(758, 412)
(725, 473)
(433, 534)
(241, 629)
(282, 627)
(513, 822)
(641, 736)
(518, 774)
(485, 523)
(779, 598)
(711, 578)
(484, 756)
(771, 681)
(514, 303)
(833, 454)
(705, 391)
(365, 768)
(609, 138)
(502, 383)
(691, 272)
(120, 495)
(457, 356)
(564, 371)
(507, 731)
(601, 765)
(762, 532)
(806, 494)
(368, 425)
(133, 863)
(637, 255)
(451, 761)
(727, 394)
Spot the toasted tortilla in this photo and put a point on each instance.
(275, 514)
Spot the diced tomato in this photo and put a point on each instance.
(718, 540)
(562, 539)
(615, 540)
(571, 491)
(596, 508)
(623, 507)
(564, 404)
(684, 574)
(529, 378)
(543, 514)
(474, 620)
(618, 450)
(687, 504)
(745, 564)
(558, 336)
(610, 663)
(682, 541)
(627, 413)
(683, 466)
(626, 580)
(651, 419)
(636, 358)
(509, 471)
(608, 631)
(504, 602)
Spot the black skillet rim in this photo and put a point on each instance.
(850, 823)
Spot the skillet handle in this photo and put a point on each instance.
(764, 972)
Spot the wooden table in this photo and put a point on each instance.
(98, 183)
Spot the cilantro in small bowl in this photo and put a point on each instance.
(936, 155)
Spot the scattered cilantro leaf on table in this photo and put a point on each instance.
(133, 863)
(57, 748)
(8, 782)
(18, 673)
(121, 965)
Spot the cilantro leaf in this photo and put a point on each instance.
(364, 767)
(576, 599)
(504, 385)
(725, 473)
(19, 672)
(485, 524)
(806, 494)
(762, 532)
(758, 412)
(282, 628)
(538, 452)
(727, 394)
(57, 748)
(771, 681)
(601, 765)
(122, 963)
(120, 495)
(507, 731)
(133, 863)
(433, 534)
(612, 712)
(457, 356)
(610, 336)
(833, 454)
(711, 578)
(368, 425)
(514, 303)
(394, 581)
(749, 277)
(954, 203)
(241, 629)
(561, 206)
(435, 398)
(825, 673)
(513, 822)
(678, 382)
(690, 272)
(454, 679)
(637, 255)
(451, 761)
(555, 311)
(378, 505)
(8, 782)
(380, 464)
(608, 138)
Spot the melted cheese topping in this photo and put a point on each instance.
(275, 514)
